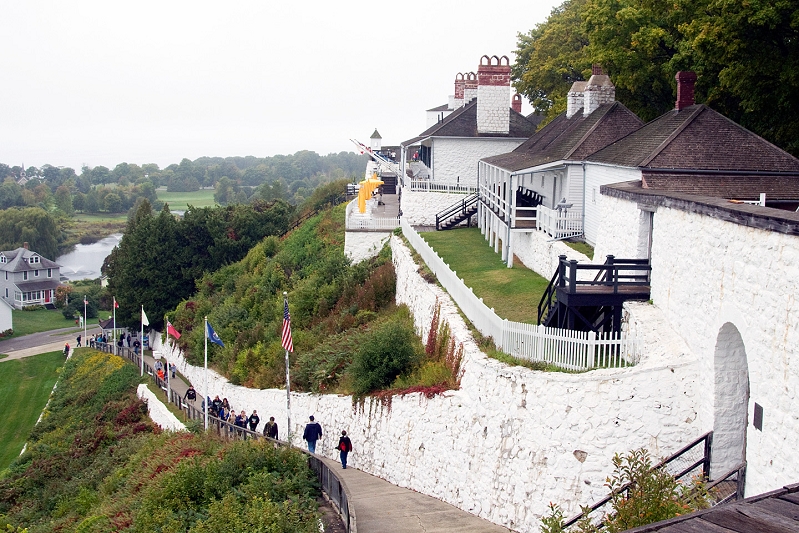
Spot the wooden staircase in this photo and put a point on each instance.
(594, 304)
(457, 213)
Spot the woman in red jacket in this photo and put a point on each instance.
(344, 447)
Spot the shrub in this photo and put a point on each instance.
(390, 350)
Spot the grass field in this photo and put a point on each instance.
(181, 200)
(514, 293)
(27, 322)
(26, 385)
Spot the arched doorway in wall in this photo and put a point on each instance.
(730, 401)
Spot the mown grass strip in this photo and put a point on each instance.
(25, 384)
(181, 200)
(514, 293)
(27, 322)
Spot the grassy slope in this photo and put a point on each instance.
(26, 384)
(514, 293)
(181, 200)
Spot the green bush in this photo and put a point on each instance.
(387, 352)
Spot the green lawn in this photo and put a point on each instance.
(26, 385)
(102, 218)
(27, 322)
(514, 293)
(181, 200)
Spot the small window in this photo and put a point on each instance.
(6, 292)
(34, 259)
(593, 195)
(49, 272)
(35, 273)
(3, 259)
(25, 275)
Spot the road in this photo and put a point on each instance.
(43, 342)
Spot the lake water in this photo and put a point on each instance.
(87, 259)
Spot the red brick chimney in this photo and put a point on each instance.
(685, 89)
(25, 245)
(493, 89)
(460, 86)
(516, 104)
(469, 87)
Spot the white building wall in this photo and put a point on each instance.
(706, 273)
(6, 316)
(595, 176)
(458, 157)
(540, 253)
(420, 208)
(493, 109)
(511, 440)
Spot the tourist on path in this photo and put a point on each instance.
(344, 447)
(253, 420)
(312, 433)
(78, 339)
(191, 394)
(270, 428)
(66, 351)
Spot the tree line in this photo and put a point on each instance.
(746, 56)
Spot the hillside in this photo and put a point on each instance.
(96, 463)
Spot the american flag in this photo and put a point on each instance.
(288, 344)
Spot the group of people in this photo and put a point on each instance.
(161, 369)
(221, 409)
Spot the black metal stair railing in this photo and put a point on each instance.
(457, 212)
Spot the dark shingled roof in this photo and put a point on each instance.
(463, 123)
(744, 186)
(571, 138)
(696, 138)
(775, 512)
(442, 107)
(38, 285)
(18, 261)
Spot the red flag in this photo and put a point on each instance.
(116, 304)
(170, 330)
(286, 341)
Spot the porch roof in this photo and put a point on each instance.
(37, 285)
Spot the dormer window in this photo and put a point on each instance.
(3, 259)
(34, 259)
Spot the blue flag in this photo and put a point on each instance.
(212, 336)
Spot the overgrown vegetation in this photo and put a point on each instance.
(640, 495)
(96, 463)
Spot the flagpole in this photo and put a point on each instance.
(288, 383)
(141, 340)
(114, 332)
(168, 373)
(207, 395)
(85, 340)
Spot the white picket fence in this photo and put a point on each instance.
(571, 350)
(425, 185)
(354, 221)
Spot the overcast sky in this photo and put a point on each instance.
(101, 82)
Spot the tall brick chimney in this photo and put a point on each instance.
(685, 89)
(460, 85)
(469, 87)
(493, 89)
(25, 245)
(598, 91)
(516, 103)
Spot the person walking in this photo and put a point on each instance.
(344, 447)
(312, 433)
(78, 339)
(173, 368)
(270, 428)
(66, 349)
(254, 420)
(191, 394)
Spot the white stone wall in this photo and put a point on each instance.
(597, 175)
(361, 245)
(159, 413)
(510, 440)
(493, 109)
(618, 222)
(706, 273)
(420, 208)
(540, 253)
(454, 157)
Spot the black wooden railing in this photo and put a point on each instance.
(692, 461)
(328, 480)
(615, 273)
(457, 212)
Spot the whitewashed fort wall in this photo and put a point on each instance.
(511, 440)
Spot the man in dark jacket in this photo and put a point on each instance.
(270, 429)
(344, 447)
(312, 433)
(253, 420)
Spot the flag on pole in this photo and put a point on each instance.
(286, 341)
(144, 318)
(170, 330)
(116, 304)
(212, 335)
(85, 301)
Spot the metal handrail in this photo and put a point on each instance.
(458, 208)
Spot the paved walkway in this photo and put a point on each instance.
(46, 341)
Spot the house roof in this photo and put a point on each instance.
(696, 137)
(38, 285)
(463, 123)
(442, 107)
(18, 261)
(375, 135)
(571, 138)
(740, 186)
